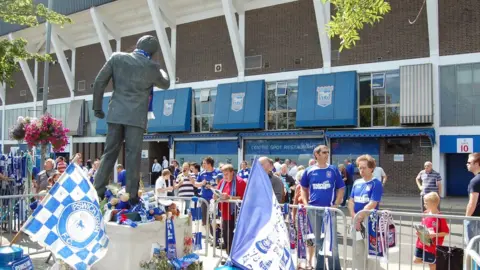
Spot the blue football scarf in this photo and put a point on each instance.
(327, 233)
(373, 241)
(171, 244)
(301, 244)
(233, 191)
(150, 114)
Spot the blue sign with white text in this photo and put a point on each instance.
(281, 147)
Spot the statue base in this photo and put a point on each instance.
(128, 246)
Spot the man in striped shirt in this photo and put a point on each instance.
(185, 181)
(428, 181)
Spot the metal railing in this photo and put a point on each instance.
(338, 218)
(472, 257)
(14, 212)
(406, 237)
(187, 203)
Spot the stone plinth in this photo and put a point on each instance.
(129, 246)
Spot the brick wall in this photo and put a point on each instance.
(459, 26)
(201, 45)
(57, 84)
(90, 59)
(13, 94)
(401, 175)
(393, 38)
(282, 34)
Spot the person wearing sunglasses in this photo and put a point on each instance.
(322, 186)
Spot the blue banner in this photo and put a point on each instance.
(170, 239)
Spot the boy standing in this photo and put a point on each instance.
(437, 228)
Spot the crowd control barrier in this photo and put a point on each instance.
(401, 254)
(225, 228)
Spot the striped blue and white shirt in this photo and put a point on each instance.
(430, 181)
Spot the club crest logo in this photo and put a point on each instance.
(237, 101)
(79, 224)
(324, 95)
(168, 106)
(329, 174)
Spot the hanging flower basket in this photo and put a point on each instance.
(47, 130)
(17, 132)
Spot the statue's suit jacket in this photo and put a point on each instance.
(133, 76)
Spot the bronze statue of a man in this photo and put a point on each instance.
(133, 75)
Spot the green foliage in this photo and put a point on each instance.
(350, 17)
(22, 12)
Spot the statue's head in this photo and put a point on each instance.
(148, 44)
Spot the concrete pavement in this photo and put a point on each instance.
(448, 205)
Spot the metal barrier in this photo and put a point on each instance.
(14, 211)
(406, 238)
(316, 212)
(187, 204)
(472, 257)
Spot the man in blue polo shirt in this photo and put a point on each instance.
(323, 186)
(206, 180)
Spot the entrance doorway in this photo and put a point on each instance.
(458, 176)
(155, 150)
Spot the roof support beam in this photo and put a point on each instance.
(105, 29)
(432, 18)
(322, 15)
(58, 41)
(3, 89)
(159, 10)
(27, 73)
(237, 39)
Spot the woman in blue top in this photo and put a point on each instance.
(366, 195)
(245, 171)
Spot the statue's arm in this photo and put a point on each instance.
(101, 82)
(162, 79)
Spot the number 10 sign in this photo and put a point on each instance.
(465, 145)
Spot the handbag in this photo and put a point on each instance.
(449, 258)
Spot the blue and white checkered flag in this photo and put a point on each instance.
(69, 222)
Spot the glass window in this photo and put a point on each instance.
(281, 106)
(204, 110)
(459, 95)
(196, 151)
(379, 99)
(398, 146)
(365, 95)
(351, 148)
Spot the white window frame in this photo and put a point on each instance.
(372, 106)
(277, 111)
(201, 94)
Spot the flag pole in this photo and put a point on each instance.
(15, 238)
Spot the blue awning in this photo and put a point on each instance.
(287, 133)
(327, 100)
(459, 143)
(102, 123)
(394, 132)
(240, 106)
(172, 109)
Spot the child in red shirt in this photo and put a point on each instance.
(438, 229)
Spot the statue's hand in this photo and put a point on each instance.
(99, 114)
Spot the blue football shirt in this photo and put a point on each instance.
(365, 192)
(322, 184)
(122, 175)
(210, 177)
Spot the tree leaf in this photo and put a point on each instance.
(22, 12)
